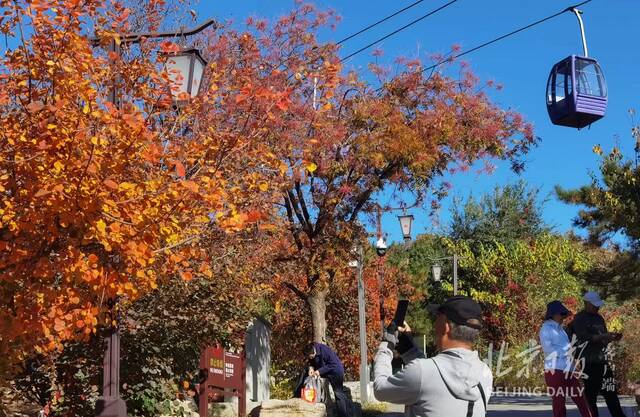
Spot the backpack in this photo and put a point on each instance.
(312, 390)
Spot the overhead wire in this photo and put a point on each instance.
(419, 19)
(485, 44)
(364, 48)
(384, 19)
(372, 25)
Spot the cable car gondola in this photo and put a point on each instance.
(576, 90)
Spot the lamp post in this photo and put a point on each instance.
(362, 324)
(185, 65)
(436, 271)
(381, 251)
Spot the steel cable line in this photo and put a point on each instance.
(372, 25)
(364, 48)
(384, 19)
(568, 9)
(384, 37)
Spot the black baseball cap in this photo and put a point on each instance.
(460, 310)
(556, 307)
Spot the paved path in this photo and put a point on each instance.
(522, 406)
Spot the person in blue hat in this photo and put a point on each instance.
(559, 364)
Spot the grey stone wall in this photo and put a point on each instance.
(258, 353)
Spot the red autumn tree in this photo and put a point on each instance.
(344, 141)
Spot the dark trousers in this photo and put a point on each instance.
(600, 380)
(343, 403)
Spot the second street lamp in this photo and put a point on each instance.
(436, 271)
(406, 221)
(381, 247)
(362, 323)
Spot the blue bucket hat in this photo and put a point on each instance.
(556, 307)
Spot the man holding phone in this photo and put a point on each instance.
(588, 332)
(453, 383)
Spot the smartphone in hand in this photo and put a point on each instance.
(401, 313)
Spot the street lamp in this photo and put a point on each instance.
(353, 263)
(436, 271)
(185, 70)
(406, 220)
(186, 67)
(381, 247)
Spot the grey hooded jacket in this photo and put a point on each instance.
(441, 386)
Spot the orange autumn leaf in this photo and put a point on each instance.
(111, 184)
(42, 193)
(168, 47)
(254, 216)
(190, 185)
(35, 106)
(59, 325)
(180, 170)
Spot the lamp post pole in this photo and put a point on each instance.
(364, 372)
(111, 404)
(455, 274)
(380, 269)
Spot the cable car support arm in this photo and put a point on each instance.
(578, 14)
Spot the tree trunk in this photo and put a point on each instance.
(317, 301)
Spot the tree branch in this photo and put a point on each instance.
(296, 291)
(303, 205)
(175, 245)
(361, 201)
(366, 195)
(296, 209)
(292, 222)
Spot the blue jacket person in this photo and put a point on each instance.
(324, 363)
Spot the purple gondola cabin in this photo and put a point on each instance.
(576, 92)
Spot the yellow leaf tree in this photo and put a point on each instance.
(103, 200)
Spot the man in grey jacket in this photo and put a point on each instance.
(454, 383)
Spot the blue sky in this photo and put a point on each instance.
(521, 63)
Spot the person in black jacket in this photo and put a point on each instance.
(324, 362)
(589, 331)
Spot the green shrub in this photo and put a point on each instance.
(282, 385)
